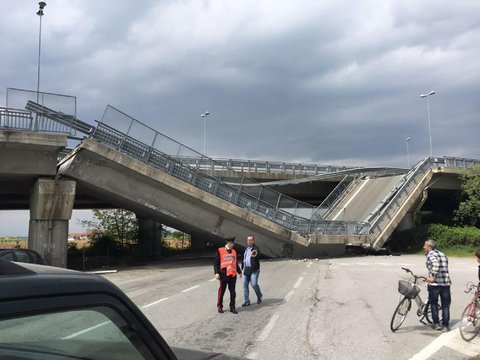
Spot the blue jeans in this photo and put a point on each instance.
(253, 279)
(444, 292)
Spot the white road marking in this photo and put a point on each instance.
(470, 348)
(351, 198)
(86, 330)
(435, 345)
(268, 328)
(153, 303)
(299, 281)
(191, 288)
(213, 279)
(289, 295)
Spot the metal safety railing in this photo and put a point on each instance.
(261, 167)
(329, 203)
(30, 110)
(16, 119)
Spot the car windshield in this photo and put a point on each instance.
(94, 333)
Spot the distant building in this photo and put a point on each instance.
(78, 236)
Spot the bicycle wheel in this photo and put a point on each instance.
(470, 322)
(400, 314)
(427, 312)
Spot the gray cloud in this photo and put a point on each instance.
(330, 82)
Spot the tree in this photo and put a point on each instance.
(117, 224)
(468, 212)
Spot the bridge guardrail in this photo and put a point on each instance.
(40, 117)
(333, 197)
(16, 119)
(260, 199)
(258, 166)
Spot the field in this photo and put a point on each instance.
(8, 243)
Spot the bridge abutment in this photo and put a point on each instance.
(51, 204)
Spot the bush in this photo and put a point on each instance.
(447, 237)
(101, 245)
(450, 237)
(72, 249)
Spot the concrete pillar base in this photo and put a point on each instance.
(51, 205)
(49, 239)
(150, 237)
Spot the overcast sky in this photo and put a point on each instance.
(327, 82)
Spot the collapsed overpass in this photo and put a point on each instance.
(126, 164)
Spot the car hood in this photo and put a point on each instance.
(189, 354)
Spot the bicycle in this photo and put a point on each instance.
(410, 290)
(470, 320)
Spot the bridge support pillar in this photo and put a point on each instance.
(51, 204)
(150, 237)
(199, 244)
(407, 222)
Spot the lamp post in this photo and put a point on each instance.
(204, 116)
(41, 6)
(426, 96)
(408, 152)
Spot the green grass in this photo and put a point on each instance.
(457, 251)
(460, 251)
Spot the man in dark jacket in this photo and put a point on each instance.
(226, 269)
(251, 270)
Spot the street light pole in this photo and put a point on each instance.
(41, 6)
(428, 113)
(408, 152)
(204, 116)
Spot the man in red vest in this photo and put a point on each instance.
(226, 268)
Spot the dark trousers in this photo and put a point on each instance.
(444, 293)
(225, 281)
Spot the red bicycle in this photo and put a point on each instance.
(470, 321)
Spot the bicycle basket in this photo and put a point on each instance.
(408, 289)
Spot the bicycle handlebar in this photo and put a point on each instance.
(470, 287)
(415, 276)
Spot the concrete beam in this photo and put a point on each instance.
(139, 187)
(29, 153)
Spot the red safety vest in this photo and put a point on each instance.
(228, 261)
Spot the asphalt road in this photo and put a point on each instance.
(313, 309)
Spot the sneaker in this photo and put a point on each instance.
(246, 303)
(259, 300)
(220, 310)
(436, 327)
(445, 328)
(233, 311)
